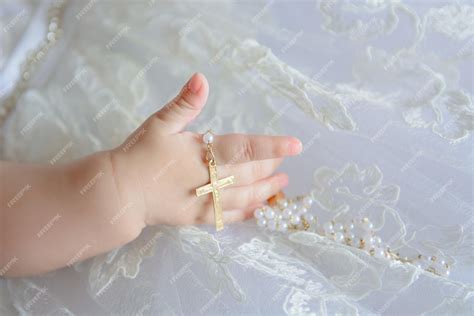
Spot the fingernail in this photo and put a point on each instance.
(295, 146)
(194, 84)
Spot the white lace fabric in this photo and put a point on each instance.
(380, 92)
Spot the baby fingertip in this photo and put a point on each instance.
(295, 146)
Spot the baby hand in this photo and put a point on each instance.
(158, 168)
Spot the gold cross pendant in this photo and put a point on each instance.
(215, 187)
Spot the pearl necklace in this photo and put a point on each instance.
(34, 57)
(293, 214)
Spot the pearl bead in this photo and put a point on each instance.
(350, 226)
(379, 252)
(283, 203)
(442, 268)
(338, 227)
(258, 213)
(283, 226)
(309, 218)
(295, 220)
(303, 210)
(339, 237)
(367, 224)
(270, 213)
(271, 224)
(51, 37)
(293, 207)
(261, 222)
(422, 263)
(287, 213)
(308, 201)
(371, 242)
(208, 138)
(53, 26)
(378, 240)
(328, 228)
(350, 236)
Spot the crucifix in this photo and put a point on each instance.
(215, 184)
(214, 188)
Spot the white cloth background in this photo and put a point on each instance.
(380, 93)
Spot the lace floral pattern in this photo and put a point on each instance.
(386, 120)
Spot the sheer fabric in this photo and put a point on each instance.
(380, 92)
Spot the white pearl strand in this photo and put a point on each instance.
(34, 57)
(293, 214)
